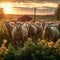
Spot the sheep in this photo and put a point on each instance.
(50, 33)
(32, 30)
(39, 30)
(9, 27)
(19, 34)
(58, 27)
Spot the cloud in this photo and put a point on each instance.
(46, 10)
(39, 1)
(23, 10)
(32, 5)
(42, 10)
(36, 1)
(27, 6)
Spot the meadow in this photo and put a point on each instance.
(44, 17)
(41, 50)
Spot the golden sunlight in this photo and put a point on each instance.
(7, 8)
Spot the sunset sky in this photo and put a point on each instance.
(43, 7)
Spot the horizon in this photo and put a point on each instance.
(31, 14)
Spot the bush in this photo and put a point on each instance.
(11, 53)
(3, 50)
(43, 50)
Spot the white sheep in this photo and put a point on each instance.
(9, 27)
(32, 30)
(39, 29)
(19, 34)
(50, 33)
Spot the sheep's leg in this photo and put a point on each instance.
(51, 39)
(21, 43)
(15, 44)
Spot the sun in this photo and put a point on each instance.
(7, 8)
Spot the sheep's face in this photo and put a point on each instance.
(18, 25)
(47, 26)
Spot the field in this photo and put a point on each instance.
(44, 17)
(38, 17)
(41, 50)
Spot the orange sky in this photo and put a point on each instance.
(28, 8)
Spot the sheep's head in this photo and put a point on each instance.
(18, 25)
(47, 26)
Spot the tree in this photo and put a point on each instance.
(1, 13)
(24, 18)
(57, 12)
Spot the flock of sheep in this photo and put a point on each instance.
(20, 31)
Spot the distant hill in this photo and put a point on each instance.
(38, 17)
(44, 17)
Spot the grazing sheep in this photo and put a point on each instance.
(58, 27)
(19, 34)
(50, 33)
(39, 30)
(9, 27)
(32, 30)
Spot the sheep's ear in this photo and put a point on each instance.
(16, 26)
